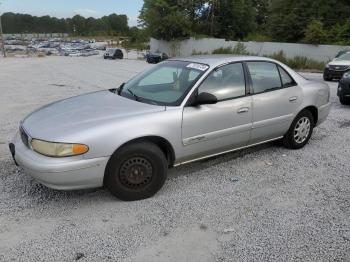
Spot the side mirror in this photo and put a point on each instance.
(205, 99)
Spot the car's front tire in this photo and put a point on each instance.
(136, 171)
(327, 78)
(344, 100)
(300, 131)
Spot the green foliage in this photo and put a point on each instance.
(340, 33)
(165, 19)
(169, 19)
(258, 37)
(310, 21)
(314, 33)
(21, 23)
(288, 20)
(195, 52)
(298, 62)
(238, 49)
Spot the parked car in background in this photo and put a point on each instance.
(342, 52)
(179, 111)
(336, 68)
(113, 53)
(155, 58)
(344, 89)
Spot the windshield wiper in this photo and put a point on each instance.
(132, 93)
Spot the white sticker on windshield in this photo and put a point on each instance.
(200, 67)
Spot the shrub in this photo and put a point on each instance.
(238, 49)
(298, 62)
(195, 52)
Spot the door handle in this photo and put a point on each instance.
(293, 99)
(243, 110)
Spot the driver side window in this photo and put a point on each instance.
(225, 82)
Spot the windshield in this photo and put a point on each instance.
(345, 56)
(110, 49)
(165, 84)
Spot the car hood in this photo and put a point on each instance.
(83, 112)
(339, 62)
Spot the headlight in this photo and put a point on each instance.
(346, 75)
(327, 65)
(58, 149)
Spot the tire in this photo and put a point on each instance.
(325, 78)
(305, 121)
(344, 100)
(136, 171)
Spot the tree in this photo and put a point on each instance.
(314, 33)
(261, 10)
(165, 19)
(22, 23)
(288, 19)
(236, 19)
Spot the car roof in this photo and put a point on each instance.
(216, 60)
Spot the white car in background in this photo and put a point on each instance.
(338, 67)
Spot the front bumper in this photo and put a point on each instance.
(334, 74)
(323, 112)
(59, 173)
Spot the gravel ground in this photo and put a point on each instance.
(266, 203)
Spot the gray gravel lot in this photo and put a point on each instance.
(265, 203)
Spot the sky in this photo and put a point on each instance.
(69, 8)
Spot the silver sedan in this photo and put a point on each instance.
(179, 111)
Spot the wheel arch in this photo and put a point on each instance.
(161, 142)
(314, 111)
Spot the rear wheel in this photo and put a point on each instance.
(136, 171)
(300, 131)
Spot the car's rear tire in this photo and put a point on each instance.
(344, 100)
(300, 131)
(136, 171)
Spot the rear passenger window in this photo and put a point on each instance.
(286, 79)
(265, 76)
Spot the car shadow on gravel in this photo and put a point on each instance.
(220, 159)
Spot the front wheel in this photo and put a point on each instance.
(344, 100)
(326, 78)
(136, 171)
(300, 131)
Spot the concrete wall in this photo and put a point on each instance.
(322, 53)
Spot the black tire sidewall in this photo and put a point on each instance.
(344, 101)
(151, 153)
(289, 139)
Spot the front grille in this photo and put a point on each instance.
(24, 137)
(336, 74)
(339, 67)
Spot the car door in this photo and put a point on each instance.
(276, 97)
(215, 128)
